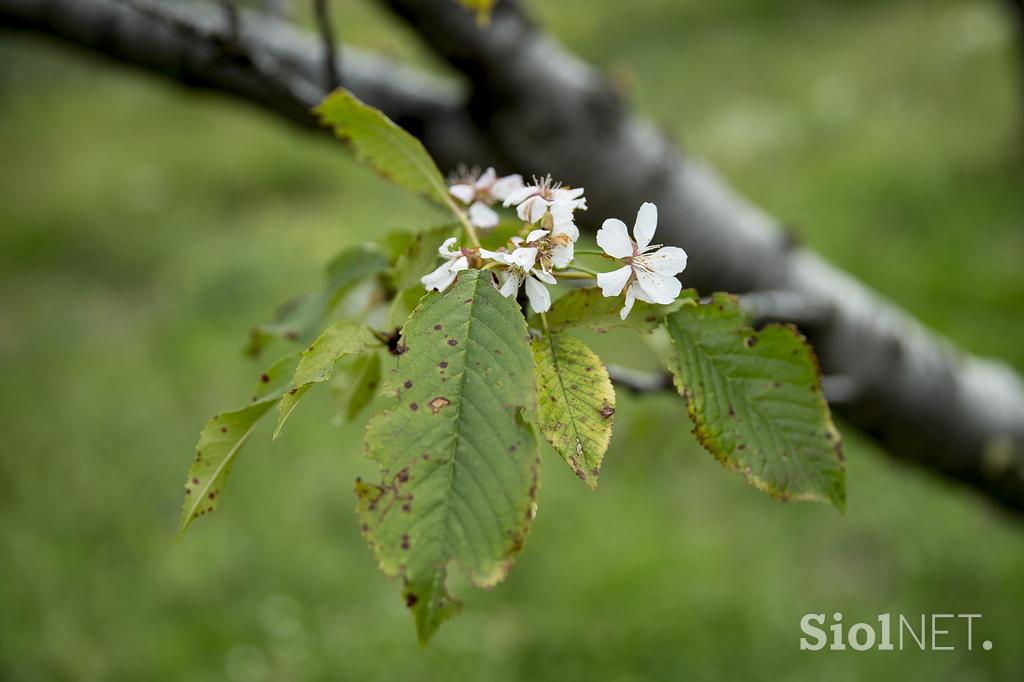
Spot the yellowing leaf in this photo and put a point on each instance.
(224, 436)
(756, 403)
(317, 362)
(575, 402)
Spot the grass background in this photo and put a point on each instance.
(144, 228)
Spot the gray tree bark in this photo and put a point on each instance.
(534, 107)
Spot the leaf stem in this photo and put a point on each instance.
(589, 252)
(576, 275)
(594, 273)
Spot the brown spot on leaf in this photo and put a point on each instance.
(265, 378)
(437, 327)
(413, 406)
(411, 599)
(452, 342)
(407, 384)
(405, 541)
(437, 403)
(443, 364)
(195, 481)
(607, 411)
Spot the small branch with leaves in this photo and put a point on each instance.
(479, 374)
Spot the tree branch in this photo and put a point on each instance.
(536, 108)
(265, 62)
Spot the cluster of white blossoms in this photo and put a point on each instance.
(547, 210)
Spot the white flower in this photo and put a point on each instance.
(444, 275)
(534, 201)
(649, 274)
(521, 263)
(480, 192)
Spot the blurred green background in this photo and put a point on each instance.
(145, 228)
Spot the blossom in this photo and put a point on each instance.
(522, 262)
(650, 271)
(444, 275)
(480, 192)
(543, 196)
(556, 247)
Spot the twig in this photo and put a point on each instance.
(323, 22)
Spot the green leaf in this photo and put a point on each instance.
(756, 402)
(575, 402)
(357, 386)
(589, 308)
(317, 362)
(223, 437)
(377, 140)
(301, 317)
(458, 458)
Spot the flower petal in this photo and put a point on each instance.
(630, 299)
(461, 263)
(444, 248)
(482, 216)
(613, 238)
(463, 193)
(561, 211)
(504, 187)
(533, 209)
(538, 295)
(568, 194)
(611, 283)
(525, 257)
(562, 255)
(668, 260)
(510, 281)
(660, 288)
(535, 235)
(499, 256)
(439, 279)
(641, 295)
(520, 195)
(544, 276)
(646, 223)
(569, 229)
(487, 179)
